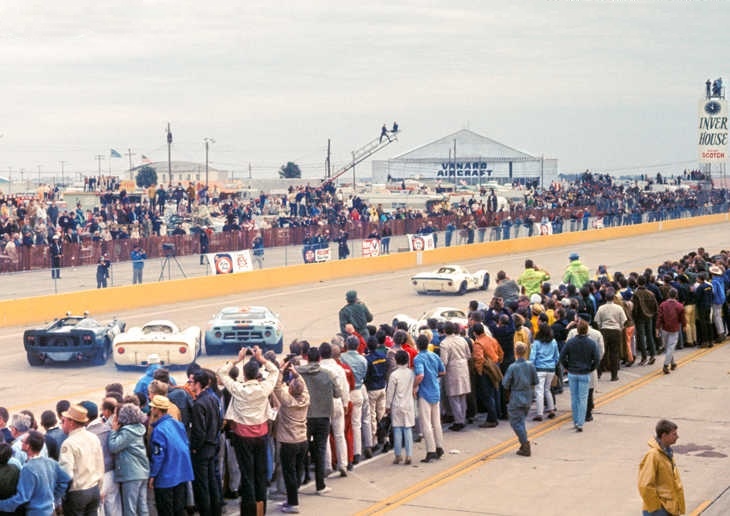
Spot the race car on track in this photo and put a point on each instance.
(237, 327)
(450, 279)
(441, 314)
(73, 338)
(175, 347)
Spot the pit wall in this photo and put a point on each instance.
(99, 301)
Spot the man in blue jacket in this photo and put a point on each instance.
(137, 256)
(170, 465)
(42, 482)
(718, 301)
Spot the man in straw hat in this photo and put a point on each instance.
(170, 465)
(82, 458)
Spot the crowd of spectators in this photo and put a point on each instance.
(308, 214)
(258, 426)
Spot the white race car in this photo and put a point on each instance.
(175, 347)
(450, 279)
(441, 314)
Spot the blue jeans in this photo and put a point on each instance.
(670, 339)
(134, 497)
(579, 385)
(517, 417)
(658, 512)
(402, 434)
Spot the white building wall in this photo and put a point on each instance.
(469, 170)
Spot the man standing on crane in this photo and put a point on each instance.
(384, 132)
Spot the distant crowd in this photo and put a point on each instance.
(315, 213)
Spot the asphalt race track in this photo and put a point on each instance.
(589, 473)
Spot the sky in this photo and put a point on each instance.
(609, 86)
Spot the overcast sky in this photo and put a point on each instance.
(605, 85)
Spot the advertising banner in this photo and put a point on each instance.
(420, 242)
(313, 255)
(228, 263)
(371, 247)
(712, 137)
(546, 228)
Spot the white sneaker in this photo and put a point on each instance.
(289, 509)
(324, 490)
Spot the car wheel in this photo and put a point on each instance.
(279, 346)
(34, 360)
(212, 350)
(485, 281)
(102, 354)
(462, 288)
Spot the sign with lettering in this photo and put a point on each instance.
(371, 247)
(464, 169)
(712, 130)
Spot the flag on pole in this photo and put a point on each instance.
(115, 154)
(145, 159)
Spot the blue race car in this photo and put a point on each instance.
(237, 327)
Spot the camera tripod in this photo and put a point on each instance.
(166, 263)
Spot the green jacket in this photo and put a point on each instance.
(531, 280)
(576, 274)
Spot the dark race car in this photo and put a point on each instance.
(73, 338)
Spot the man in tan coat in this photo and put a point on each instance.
(455, 355)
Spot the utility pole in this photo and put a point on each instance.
(39, 175)
(169, 156)
(353, 173)
(98, 158)
(329, 158)
(62, 164)
(249, 170)
(129, 154)
(10, 179)
(454, 165)
(22, 172)
(207, 142)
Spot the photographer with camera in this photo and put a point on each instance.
(137, 256)
(291, 430)
(248, 413)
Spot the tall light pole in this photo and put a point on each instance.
(207, 142)
(169, 156)
(62, 164)
(10, 179)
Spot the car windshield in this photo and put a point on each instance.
(157, 328)
(453, 314)
(87, 323)
(67, 322)
(242, 315)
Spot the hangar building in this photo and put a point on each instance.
(468, 158)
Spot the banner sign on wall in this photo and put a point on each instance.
(371, 247)
(312, 255)
(712, 138)
(420, 242)
(229, 263)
